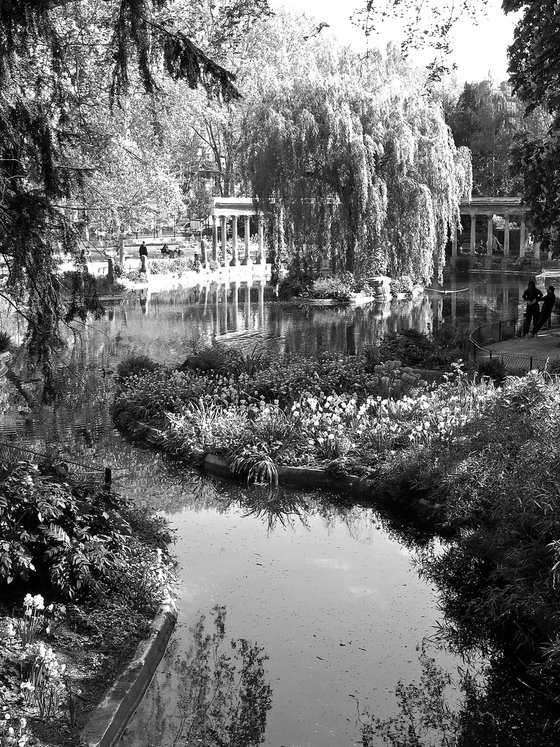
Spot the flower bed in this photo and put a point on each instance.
(344, 413)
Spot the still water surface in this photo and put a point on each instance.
(326, 587)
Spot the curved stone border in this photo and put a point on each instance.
(108, 720)
(313, 477)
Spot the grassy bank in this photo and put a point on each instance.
(82, 574)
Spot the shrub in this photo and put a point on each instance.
(135, 365)
(494, 368)
(71, 542)
(68, 540)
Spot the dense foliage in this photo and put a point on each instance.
(73, 542)
(252, 410)
(62, 65)
(361, 168)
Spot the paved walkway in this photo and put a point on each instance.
(528, 349)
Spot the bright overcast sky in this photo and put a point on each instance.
(479, 50)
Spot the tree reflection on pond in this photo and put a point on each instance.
(220, 692)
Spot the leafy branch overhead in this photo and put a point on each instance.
(63, 68)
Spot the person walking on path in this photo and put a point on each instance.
(143, 252)
(548, 304)
(532, 295)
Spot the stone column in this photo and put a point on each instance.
(506, 235)
(490, 236)
(234, 258)
(247, 260)
(473, 235)
(224, 240)
(522, 237)
(260, 256)
(214, 239)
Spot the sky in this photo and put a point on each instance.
(479, 50)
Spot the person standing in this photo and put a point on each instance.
(143, 252)
(532, 295)
(548, 304)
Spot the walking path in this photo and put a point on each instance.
(527, 352)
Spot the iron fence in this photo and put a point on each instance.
(501, 331)
(78, 473)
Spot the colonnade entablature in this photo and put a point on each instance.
(233, 209)
(507, 207)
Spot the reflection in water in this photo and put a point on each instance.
(497, 704)
(221, 695)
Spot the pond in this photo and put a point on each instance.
(326, 586)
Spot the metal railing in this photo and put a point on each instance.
(501, 331)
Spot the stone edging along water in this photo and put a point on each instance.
(108, 720)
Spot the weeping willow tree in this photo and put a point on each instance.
(360, 169)
(58, 61)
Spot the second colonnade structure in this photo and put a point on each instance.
(235, 209)
(506, 207)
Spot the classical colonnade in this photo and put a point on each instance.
(234, 209)
(507, 207)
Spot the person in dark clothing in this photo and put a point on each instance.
(532, 295)
(549, 302)
(143, 252)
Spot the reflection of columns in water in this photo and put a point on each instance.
(216, 320)
(505, 304)
(506, 235)
(454, 309)
(224, 314)
(204, 295)
(261, 304)
(248, 305)
(490, 299)
(436, 311)
(235, 307)
(471, 305)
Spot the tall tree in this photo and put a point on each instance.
(358, 165)
(50, 55)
